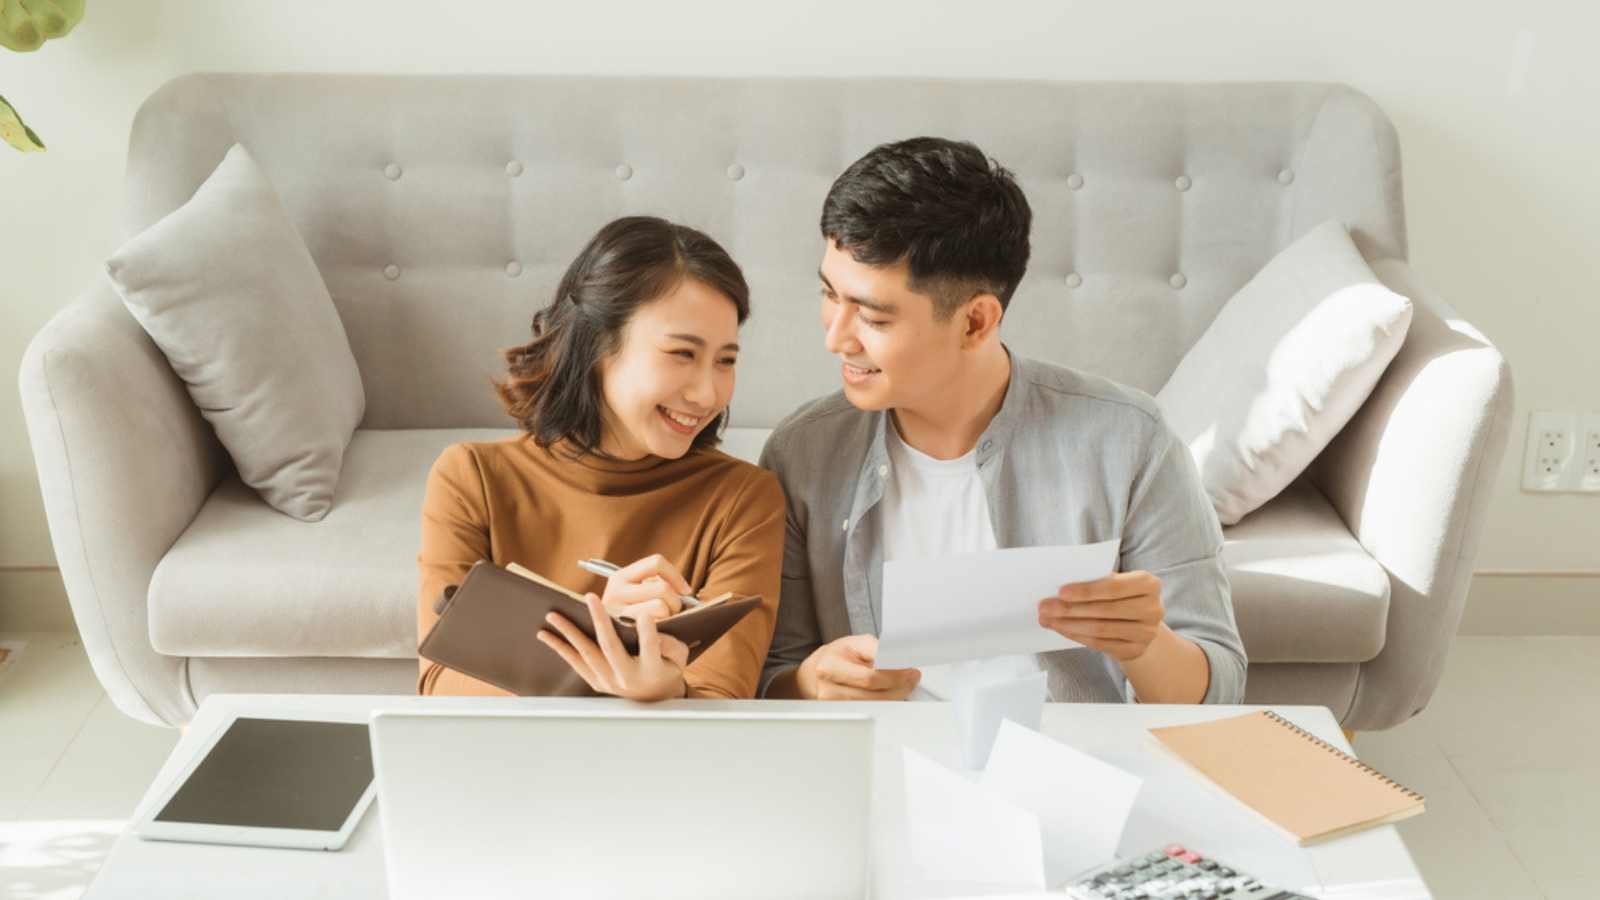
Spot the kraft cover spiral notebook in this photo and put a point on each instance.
(488, 625)
(1307, 787)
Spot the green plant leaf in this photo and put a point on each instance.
(15, 132)
(26, 24)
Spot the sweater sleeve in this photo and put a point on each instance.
(455, 534)
(748, 561)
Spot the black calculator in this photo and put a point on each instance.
(1172, 873)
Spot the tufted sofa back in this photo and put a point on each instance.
(441, 210)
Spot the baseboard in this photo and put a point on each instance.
(32, 598)
(1526, 603)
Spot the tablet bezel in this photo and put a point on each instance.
(148, 827)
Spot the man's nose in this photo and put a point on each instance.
(840, 332)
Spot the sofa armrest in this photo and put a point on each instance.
(1411, 475)
(125, 460)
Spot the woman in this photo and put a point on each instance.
(621, 396)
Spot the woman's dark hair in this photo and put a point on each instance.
(955, 216)
(553, 386)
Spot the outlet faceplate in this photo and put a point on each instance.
(1563, 452)
(1552, 443)
(1587, 459)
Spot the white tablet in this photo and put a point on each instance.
(269, 783)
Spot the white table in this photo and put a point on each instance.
(1174, 805)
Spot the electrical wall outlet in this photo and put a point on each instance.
(1563, 452)
(1588, 457)
(1552, 451)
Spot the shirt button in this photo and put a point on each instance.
(883, 471)
(846, 524)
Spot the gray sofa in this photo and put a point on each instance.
(441, 210)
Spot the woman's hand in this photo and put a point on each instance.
(655, 674)
(649, 588)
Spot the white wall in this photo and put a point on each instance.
(1496, 116)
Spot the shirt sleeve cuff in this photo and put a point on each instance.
(1227, 674)
(771, 675)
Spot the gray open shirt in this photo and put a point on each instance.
(1070, 458)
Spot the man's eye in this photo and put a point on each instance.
(874, 323)
(730, 361)
(826, 294)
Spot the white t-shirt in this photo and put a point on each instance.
(933, 508)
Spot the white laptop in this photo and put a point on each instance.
(624, 804)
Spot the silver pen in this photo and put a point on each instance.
(607, 569)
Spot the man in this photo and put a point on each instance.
(945, 442)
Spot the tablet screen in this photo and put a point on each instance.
(277, 773)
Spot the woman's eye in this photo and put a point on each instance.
(686, 354)
(730, 361)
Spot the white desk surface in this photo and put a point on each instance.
(1175, 805)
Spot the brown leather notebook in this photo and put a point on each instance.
(487, 625)
(1307, 787)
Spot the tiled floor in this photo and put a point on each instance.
(1508, 755)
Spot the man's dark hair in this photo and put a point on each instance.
(955, 216)
(552, 387)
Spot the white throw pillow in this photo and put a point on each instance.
(228, 291)
(1286, 363)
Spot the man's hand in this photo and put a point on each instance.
(842, 670)
(1119, 615)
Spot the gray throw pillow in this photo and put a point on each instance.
(1283, 367)
(229, 292)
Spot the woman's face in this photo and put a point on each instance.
(673, 373)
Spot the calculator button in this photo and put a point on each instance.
(1190, 857)
(1175, 850)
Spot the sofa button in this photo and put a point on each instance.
(513, 168)
(1285, 176)
(1177, 280)
(391, 271)
(986, 445)
(735, 172)
(624, 172)
(391, 172)
(1074, 279)
(1074, 181)
(513, 268)
(1183, 182)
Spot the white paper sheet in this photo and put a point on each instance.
(981, 707)
(1041, 813)
(1082, 803)
(961, 834)
(978, 605)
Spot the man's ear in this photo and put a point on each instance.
(981, 318)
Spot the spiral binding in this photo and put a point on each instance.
(1344, 756)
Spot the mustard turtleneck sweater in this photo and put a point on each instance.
(718, 519)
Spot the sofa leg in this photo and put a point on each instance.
(1349, 736)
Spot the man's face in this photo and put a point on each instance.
(893, 352)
